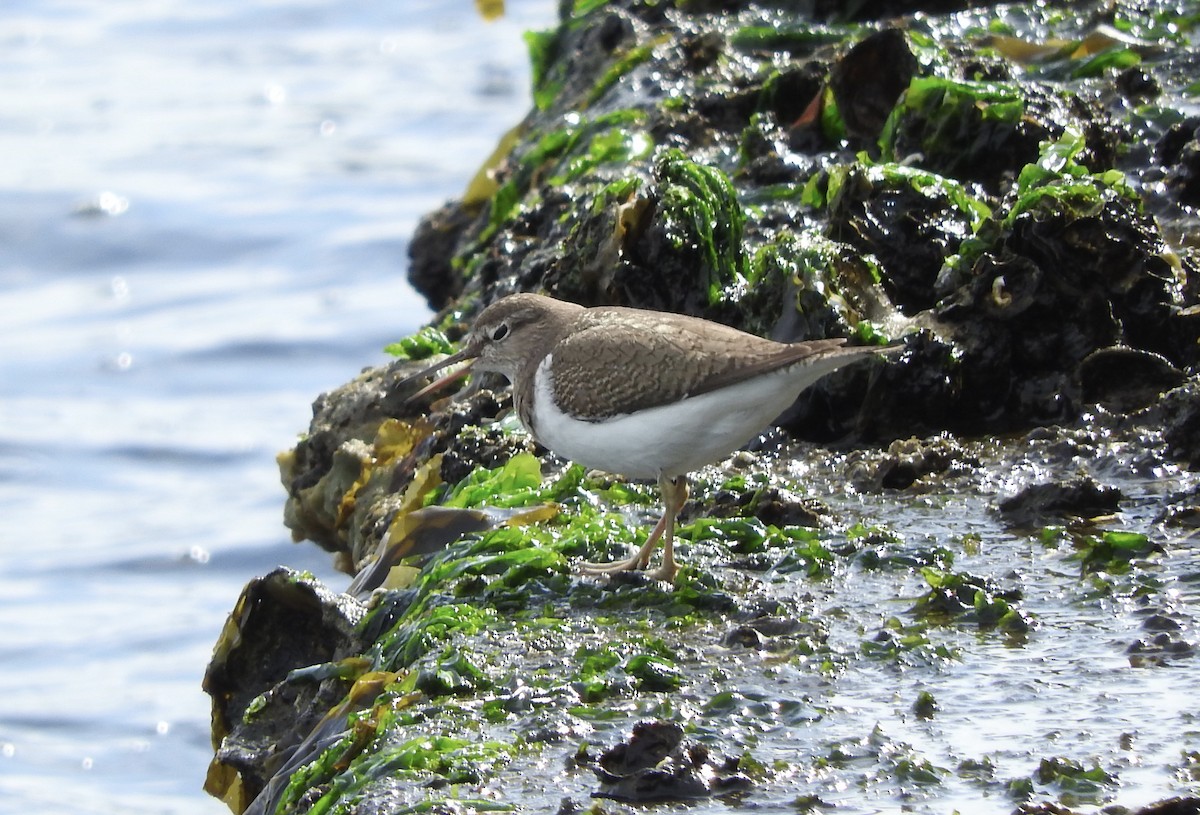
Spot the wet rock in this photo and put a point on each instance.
(1044, 808)
(262, 706)
(701, 157)
(655, 765)
(649, 744)
(346, 478)
(1159, 649)
(771, 504)
(1172, 806)
(868, 80)
(1180, 416)
(745, 637)
(430, 251)
(1160, 622)
(470, 441)
(910, 230)
(1179, 150)
(319, 471)
(984, 148)
(1037, 504)
(908, 461)
(772, 632)
(1126, 379)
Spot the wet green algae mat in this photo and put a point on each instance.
(981, 618)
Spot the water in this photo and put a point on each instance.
(204, 214)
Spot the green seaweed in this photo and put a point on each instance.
(833, 125)
(1110, 59)
(449, 759)
(616, 144)
(456, 760)
(914, 770)
(543, 47)
(1111, 551)
(942, 108)
(560, 156)
(654, 673)
(822, 275)
(627, 62)
(796, 548)
(420, 633)
(891, 174)
(699, 211)
(790, 38)
(596, 678)
(517, 483)
(425, 343)
(1058, 182)
(452, 673)
(1075, 783)
(903, 644)
(1165, 24)
(1057, 185)
(960, 595)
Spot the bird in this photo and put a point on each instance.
(639, 393)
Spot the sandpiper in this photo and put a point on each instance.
(639, 393)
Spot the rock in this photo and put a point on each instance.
(1172, 806)
(1179, 150)
(1037, 504)
(1180, 416)
(262, 706)
(655, 766)
(1126, 379)
(908, 461)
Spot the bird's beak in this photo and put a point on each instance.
(466, 355)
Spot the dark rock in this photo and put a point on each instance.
(1160, 622)
(655, 765)
(759, 633)
(1037, 503)
(649, 744)
(868, 80)
(282, 622)
(433, 245)
(1179, 150)
(771, 504)
(1172, 806)
(1160, 649)
(910, 231)
(1180, 411)
(745, 637)
(908, 461)
(1126, 379)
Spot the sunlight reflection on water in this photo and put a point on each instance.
(207, 227)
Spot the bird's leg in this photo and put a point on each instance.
(674, 492)
(638, 561)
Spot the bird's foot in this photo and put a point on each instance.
(674, 492)
(666, 570)
(633, 564)
(640, 561)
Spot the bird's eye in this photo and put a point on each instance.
(499, 332)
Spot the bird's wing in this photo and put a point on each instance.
(616, 362)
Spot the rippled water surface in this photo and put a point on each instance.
(204, 214)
